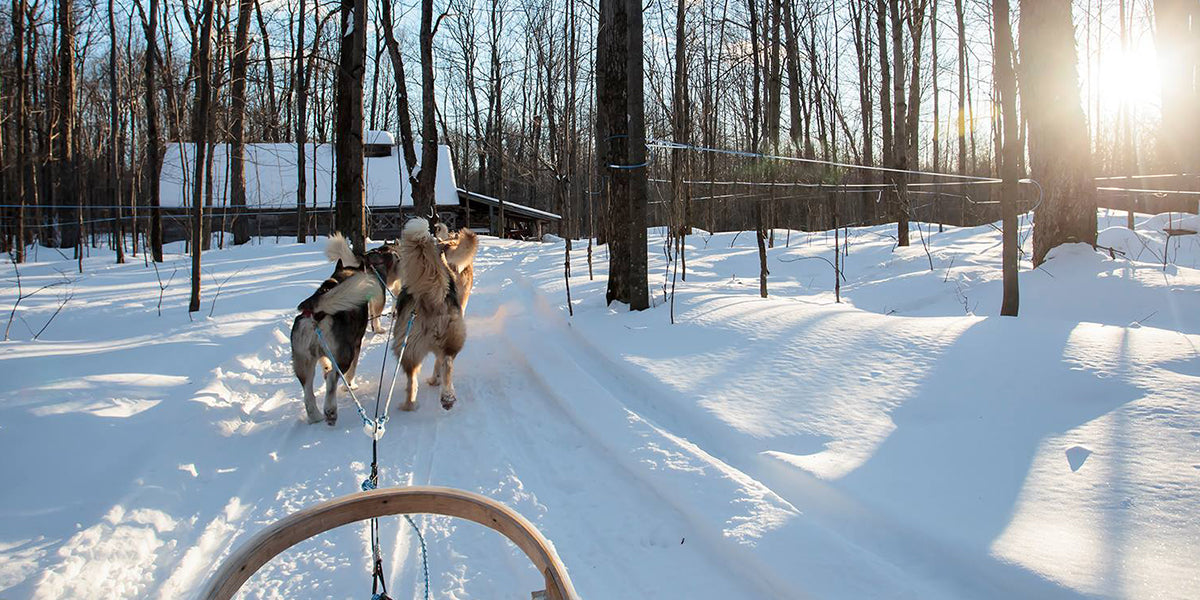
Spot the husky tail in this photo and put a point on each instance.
(337, 248)
(462, 254)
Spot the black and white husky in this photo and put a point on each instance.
(382, 262)
(339, 311)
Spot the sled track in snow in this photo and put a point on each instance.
(895, 548)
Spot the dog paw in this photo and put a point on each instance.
(408, 406)
(331, 417)
(433, 381)
(448, 401)
(314, 417)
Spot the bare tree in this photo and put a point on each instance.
(151, 66)
(114, 164)
(620, 137)
(1006, 81)
(405, 124)
(348, 143)
(885, 83)
(22, 158)
(423, 188)
(300, 90)
(859, 10)
(200, 127)
(962, 88)
(680, 131)
(271, 129)
(237, 148)
(65, 172)
(1058, 145)
(899, 125)
(495, 118)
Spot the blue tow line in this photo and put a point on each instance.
(374, 427)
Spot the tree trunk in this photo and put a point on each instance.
(1128, 154)
(916, 28)
(348, 141)
(22, 157)
(1059, 154)
(862, 52)
(620, 146)
(1006, 81)
(760, 235)
(774, 78)
(407, 142)
(496, 118)
(66, 172)
(756, 74)
(885, 83)
(680, 120)
(272, 125)
(793, 60)
(114, 161)
(154, 144)
(200, 126)
(899, 130)
(423, 188)
(237, 149)
(935, 71)
(300, 89)
(962, 89)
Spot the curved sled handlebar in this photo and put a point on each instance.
(297, 527)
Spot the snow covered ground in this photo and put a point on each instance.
(905, 443)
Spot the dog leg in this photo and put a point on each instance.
(350, 385)
(448, 397)
(331, 386)
(310, 397)
(304, 366)
(436, 379)
(414, 374)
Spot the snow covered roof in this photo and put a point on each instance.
(271, 175)
(521, 209)
(379, 137)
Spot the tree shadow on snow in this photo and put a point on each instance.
(966, 439)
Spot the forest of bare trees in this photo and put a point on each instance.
(707, 114)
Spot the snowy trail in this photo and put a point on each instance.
(839, 532)
(211, 466)
(511, 433)
(783, 448)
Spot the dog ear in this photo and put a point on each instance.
(338, 266)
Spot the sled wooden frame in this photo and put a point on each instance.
(299, 526)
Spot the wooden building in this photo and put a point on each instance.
(271, 184)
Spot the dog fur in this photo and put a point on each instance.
(384, 260)
(339, 310)
(459, 253)
(429, 293)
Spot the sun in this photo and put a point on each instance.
(1130, 77)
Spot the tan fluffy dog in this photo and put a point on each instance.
(431, 296)
(459, 252)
